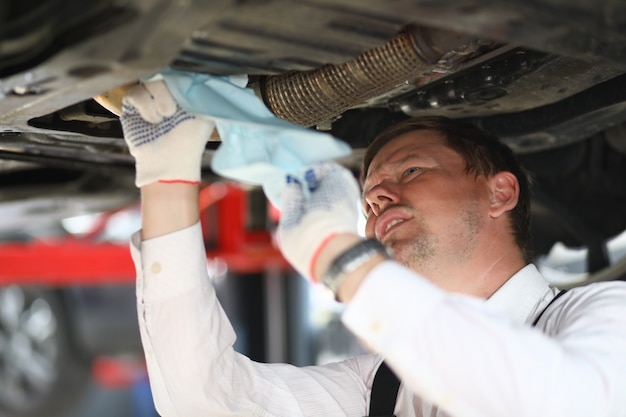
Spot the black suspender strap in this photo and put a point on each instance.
(386, 383)
(549, 304)
(384, 392)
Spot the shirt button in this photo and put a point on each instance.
(156, 268)
(376, 326)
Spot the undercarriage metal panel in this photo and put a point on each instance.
(48, 107)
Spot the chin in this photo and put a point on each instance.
(417, 255)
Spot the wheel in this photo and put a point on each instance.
(39, 372)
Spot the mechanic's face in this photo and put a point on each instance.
(422, 204)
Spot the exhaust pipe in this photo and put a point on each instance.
(311, 97)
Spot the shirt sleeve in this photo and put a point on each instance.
(456, 352)
(188, 344)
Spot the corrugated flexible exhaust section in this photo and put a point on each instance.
(311, 97)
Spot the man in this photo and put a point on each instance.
(452, 206)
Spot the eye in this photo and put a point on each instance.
(410, 171)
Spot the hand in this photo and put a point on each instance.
(315, 212)
(166, 141)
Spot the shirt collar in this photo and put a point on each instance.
(519, 297)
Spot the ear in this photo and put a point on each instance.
(504, 193)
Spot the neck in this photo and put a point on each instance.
(481, 274)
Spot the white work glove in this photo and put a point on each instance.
(166, 141)
(310, 219)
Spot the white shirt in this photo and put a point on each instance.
(468, 356)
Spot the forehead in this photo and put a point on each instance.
(423, 144)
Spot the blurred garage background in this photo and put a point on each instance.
(69, 341)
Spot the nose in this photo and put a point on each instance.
(380, 196)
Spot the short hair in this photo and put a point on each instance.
(483, 153)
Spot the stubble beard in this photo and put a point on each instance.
(416, 252)
(426, 254)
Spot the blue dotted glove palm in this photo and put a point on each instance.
(313, 213)
(166, 141)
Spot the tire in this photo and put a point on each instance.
(40, 374)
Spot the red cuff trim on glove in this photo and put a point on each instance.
(316, 254)
(179, 182)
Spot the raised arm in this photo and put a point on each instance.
(187, 337)
(168, 207)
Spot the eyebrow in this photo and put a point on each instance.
(410, 157)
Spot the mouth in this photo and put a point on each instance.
(388, 222)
